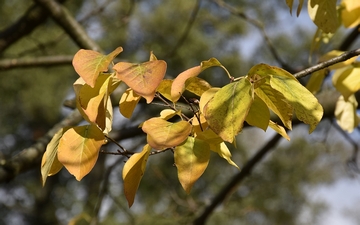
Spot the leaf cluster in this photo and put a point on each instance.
(218, 114)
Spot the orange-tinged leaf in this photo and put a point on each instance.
(324, 14)
(191, 160)
(133, 172)
(279, 129)
(259, 114)
(50, 164)
(162, 134)
(143, 78)
(347, 81)
(88, 64)
(180, 82)
(345, 113)
(226, 111)
(79, 148)
(350, 13)
(128, 102)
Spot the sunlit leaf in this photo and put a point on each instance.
(199, 123)
(316, 79)
(167, 114)
(259, 114)
(191, 160)
(133, 172)
(260, 74)
(279, 129)
(306, 106)
(227, 110)
(345, 113)
(162, 134)
(350, 13)
(324, 14)
(50, 164)
(79, 148)
(128, 102)
(206, 96)
(88, 64)
(108, 117)
(179, 84)
(143, 78)
(347, 81)
(197, 86)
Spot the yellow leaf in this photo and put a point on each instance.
(324, 14)
(165, 88)
(108, 117)
(199, 123)
(276, 102)
(316, 80)
(259, 114)
(162, 134)
(191, 160)
(345, 113)
(179, 84)
(223, 152)
(347, 81)
(350, 13)
(197, 86)
(143, 78)
(128, 102)
(50, 164)
(79, 148)
(167, 114)
(133, 172)
(306, 106)
(290, 5)
(333, 54)
(227, 110)
(206, 96)
(88, 64)
(279, 129)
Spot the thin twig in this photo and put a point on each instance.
(246, 170)
(343, 57)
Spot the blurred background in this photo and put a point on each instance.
(313, 179)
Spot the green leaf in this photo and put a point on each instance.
(143, 78)
(324, 14)
(345, 113)
(191, 160)
(50, 164)
(79, 148)
(227, 110)
(133, 172)
(88, 64)
(162, 134)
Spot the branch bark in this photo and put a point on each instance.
(237, 179)
(7, 64)
(343, 57)
(64, 19)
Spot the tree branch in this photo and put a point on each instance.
(31, 157)
(343, 57)
(7, 64)
(33, 17)
(62, 16)
(239, 177)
